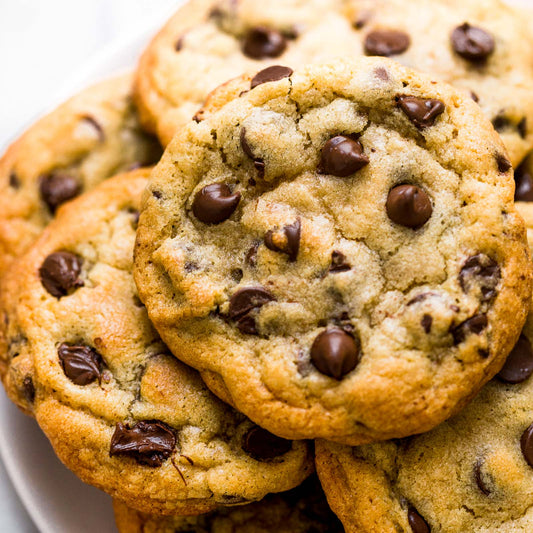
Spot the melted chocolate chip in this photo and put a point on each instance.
(335, 353)
(215, 203)
(472, 326)
(417, 523)
(409, 206)
(482, 271)
(14, 181)
(288, 242)
(342, 156)
(519, 364)
(261, 444)
(524, 183)
(262, 42)
(338, 262)
(526, 444)
(422, 112)
(472, 43)
(274, 73)
(56, 189)
(96, 126)
(60, 272)
(479, 478)
(258, 163)
(150, 443)
(29, 389)
(386, 43)
(81, 364)
(243, 303)
(504, 165)
(426, 323)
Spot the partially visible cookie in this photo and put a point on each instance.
(119, 410)
(480, 46)
(337, 250)
(301, 510)
(85, 140)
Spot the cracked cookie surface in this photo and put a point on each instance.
(301, 510)
(337, 251)
(480, 46)
(118, 408)
(472, 473)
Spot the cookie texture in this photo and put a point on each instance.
(481, 46)
(301, 510)
(119, 410)
(87, 139)
(337, 251)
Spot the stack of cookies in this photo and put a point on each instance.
(292, 238)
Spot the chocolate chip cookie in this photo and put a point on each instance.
(301, 510)
(89, 138)
(473, 473)
(481, 46)
(337, 250)
(119, 410)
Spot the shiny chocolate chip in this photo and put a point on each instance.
(335, 353)
(526, 444)
(409, 206)
(215, 203)
(150, 443)
(243, 303)
(472, 43)
(56, 189)
(286, 241)
(524, 183)
(480, 478)
(417, 523)
(386, 43)
(29, 389)
(59, 273)
(269, 74)
(81, 364)
(261, 444)
(247, 149)
(472, 326)
(422, 112)
(262, 42)
(504, 165)
(339, 262)
(519, 364)
(342, 156)
(482, 271)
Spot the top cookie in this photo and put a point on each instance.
(84, 141)
(481, 46)
(473, 473)
(337, 251)
(119, 410)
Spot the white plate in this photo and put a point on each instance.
(57, 501)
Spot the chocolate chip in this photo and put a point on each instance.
(472, 43)
(274, 73)
(523, 183)
(522, 128)
(179, 43)
(14, 181)
(480, 270)
(417, 523)
(422, 112)
(426, 323)
(243, 303)
(382, 74)
(261, 444)
(519, 364)
(479, 478)
(215, 203)
(60, 272)
(251, 255)
(504, 165)
(335, 353)
(56, 189)
(474, 97)
(409, 206)
(421, 297)
(29, 389)
(386, 43)
(81, 364)
(258, 163)
(157, 194)
(150, 443)
(338, 262)
(96, 126)
(342, 156)
(500, 123)
(236, 274)
(472, 326)
(287, 241)
(526, 444)
(262, 42)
